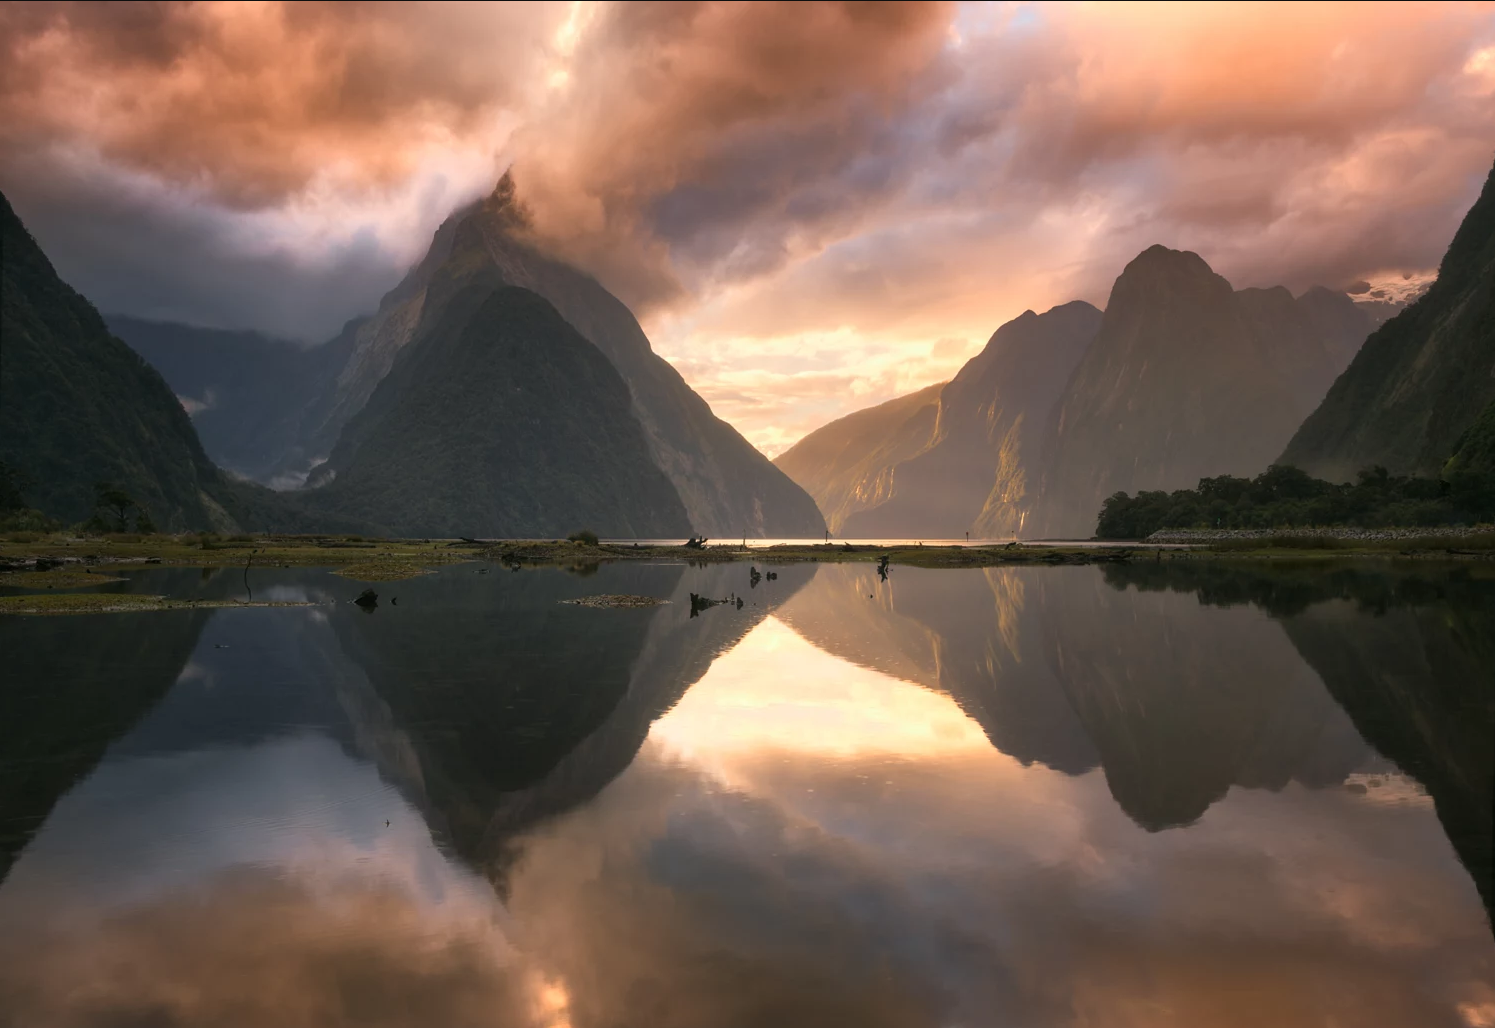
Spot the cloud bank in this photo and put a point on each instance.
(812, 206)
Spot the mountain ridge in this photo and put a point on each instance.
(1422, 378)
(727, 486)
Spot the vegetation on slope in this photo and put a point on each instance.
(1422, 378)
(78, 407)
(502, 421)
(1286, 497)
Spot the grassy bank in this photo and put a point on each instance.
(63, 559)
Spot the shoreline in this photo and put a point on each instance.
(378, 559)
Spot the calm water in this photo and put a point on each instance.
(1163, 795)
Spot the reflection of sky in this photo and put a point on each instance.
(801, 826)
(250, 879)
(145, 827)
(801, 841)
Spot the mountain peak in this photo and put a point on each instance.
(1158, 270)
(1160, 258)
(504, 203)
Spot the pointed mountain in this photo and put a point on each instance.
(727, 486)
(847, 464)
(79, 407)
(980, 472)
(502, 420)
(1186, 379)
(1423, 378)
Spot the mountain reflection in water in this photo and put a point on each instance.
(1158, 794)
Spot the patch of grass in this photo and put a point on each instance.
(58, 578)
(616, 601)
(389, 569)
(41, 604)
(207, 550)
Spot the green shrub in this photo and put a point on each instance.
(585, 537)
(1284, 497)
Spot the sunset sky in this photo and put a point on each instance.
(811, 209)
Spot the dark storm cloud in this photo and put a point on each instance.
(919, 171)
(153, 258)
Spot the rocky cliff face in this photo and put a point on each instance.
(847, 465)
(77, 406)
(1422, 379)
(1186, 379)
(728, 487)
(980, 472)
(504, 421)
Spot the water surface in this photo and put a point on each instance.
(1159, 794)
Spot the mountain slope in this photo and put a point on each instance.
(248, 394)
(846, 465)
(1422, 378)
(78, 407)
(1186, 379)
(501, 421)
(727, 486)
(981, 473)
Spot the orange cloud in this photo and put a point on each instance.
(894, 173)
(255, 103)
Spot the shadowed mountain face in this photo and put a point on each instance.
(77, 406)
(728, 488)
(248, 395)
(502, 421)
(1186, 379)
(980, 473)
(847, 465)
(1422, 379)
(1476, 448)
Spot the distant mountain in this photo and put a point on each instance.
(248, 394)
(1423, 378)
(78, 407)
(1187, 379)
(501, 420)
(727, 487)
(847, 464)
(980, 471)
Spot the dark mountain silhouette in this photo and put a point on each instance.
(79, 407)
(728, 488)
(501, 420)
(847, 465)
(1186, 379)
(1422, 379)
(248, 394)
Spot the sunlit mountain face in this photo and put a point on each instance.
(1163, 794)
(812, 210)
